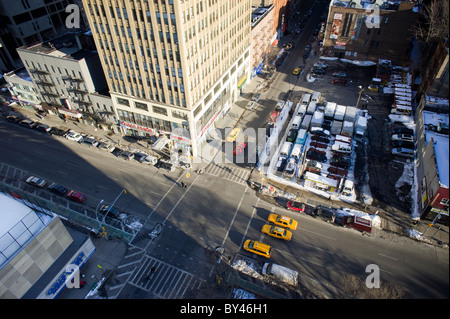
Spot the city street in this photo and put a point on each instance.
(216, 209)
(189, 238)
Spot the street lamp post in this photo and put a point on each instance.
(96, 210)
(359, 97)
(106, 214)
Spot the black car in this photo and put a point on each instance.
(319, 71)
(117, 151)
(13, 118)
(57, 189)
(403, 130)
(324, 212)
(110, 210)
(292, 135)
(316, 156)
(341, 161)
(403, 144)
(57, 131)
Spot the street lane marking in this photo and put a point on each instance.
(387, 256)
(235, 213)
(318, 234)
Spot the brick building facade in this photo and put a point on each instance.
(357, 32)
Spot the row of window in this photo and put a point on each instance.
(150, 122)
(156, 109)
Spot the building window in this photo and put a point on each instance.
(141, 106)
(179, 115)
(159, 110)
(123, 101)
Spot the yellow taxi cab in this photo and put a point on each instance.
(296, 71)
(258, 248)
(233, 134)
(277, 232)
(283, 221)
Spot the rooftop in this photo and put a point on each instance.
(436, 130)
(366, 4)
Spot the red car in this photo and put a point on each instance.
(342, 82)
(76, 196)
(239, 148)
(297, 206)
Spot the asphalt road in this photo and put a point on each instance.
(218, 209)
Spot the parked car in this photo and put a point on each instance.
(165, 165)
(42, 127)
(149, 160)
(36, 181)
(297, 206)
(341, 75)
(117, 151)
(318, 71)
(74, 136)
(27, 123)
(341, 161)
(283, 221)
(403, 130)
(341, 82)
(320, 65)
(127, 155)
(57, 189)
(316, 156)
(105, 146)
(402, 144)
(403, 137)
(57, 131)
(110, 210)
(76, 196)
(277, 232)
(13, 118)
(324, 212)
(91, 141)
(404, 152)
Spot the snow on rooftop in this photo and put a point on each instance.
(440, 142)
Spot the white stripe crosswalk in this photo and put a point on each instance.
(233, 174)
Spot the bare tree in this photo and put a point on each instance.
(435, 25)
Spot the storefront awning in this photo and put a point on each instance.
(71, 113)
(160, 143)
(241, 82)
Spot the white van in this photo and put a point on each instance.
(315, 97)
(280, 273)
(286, 149)
(311, 107)
(295, 154)
(296, 122)
(306, 98)
(149, 160)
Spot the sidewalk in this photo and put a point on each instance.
(105, 259)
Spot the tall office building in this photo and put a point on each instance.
(172, 64)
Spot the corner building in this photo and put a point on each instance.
(172, 64)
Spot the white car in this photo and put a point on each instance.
(74, 136)
(320, 65)
(404, 152)
(35, 181)
(403, 137)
